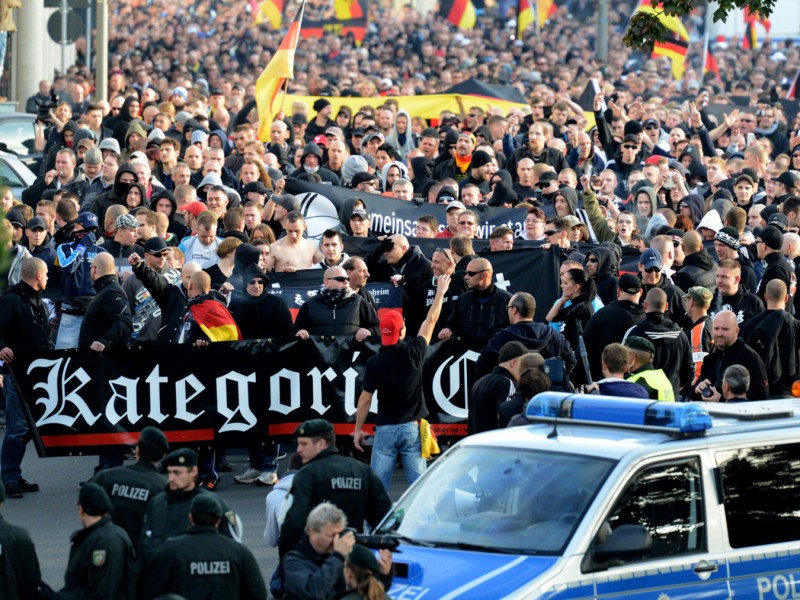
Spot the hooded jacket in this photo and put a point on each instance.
(711, 220)
(134, 126)
(385, 172)
(698, 269)
(263, 316)
(108, 318)
(245, 258)
(402, 143)
(697, 205)
(119, 124)
(642, 221)
(49, 162)
(327, 175)
(223, 138)
(673, 352)
(608, 326)
(116, 195)
(537, 337)
(743, 304)
(423, 172)
(605, 276)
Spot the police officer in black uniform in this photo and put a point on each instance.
(167, 513)
(327, 476)
(131, 488)
(202, 564)
(101, 558)
(18, 561)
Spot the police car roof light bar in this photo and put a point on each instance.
(671, 417)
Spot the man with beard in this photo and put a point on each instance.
(538, 151)
(458, 167)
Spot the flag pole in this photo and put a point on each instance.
(285, 90)
(534, 5)
(705, 57)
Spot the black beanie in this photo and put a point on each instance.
(94, 500)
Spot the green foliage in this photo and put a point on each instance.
(645, 29)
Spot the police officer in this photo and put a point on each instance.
(328, 476)
(202, 564)
(131, 488)
(167, 514)
(101, 556)
(18, 561)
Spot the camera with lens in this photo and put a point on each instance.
(43, 107)
(376, 542)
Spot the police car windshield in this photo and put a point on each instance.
(500, 499)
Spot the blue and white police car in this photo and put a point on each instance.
(604, 497)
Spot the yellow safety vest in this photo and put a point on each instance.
(655, 380)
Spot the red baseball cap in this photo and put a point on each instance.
(195, 208)
(391, 326)
(321, 140)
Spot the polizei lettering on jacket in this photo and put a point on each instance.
(210, 567)
(346, 483)
(132, 493)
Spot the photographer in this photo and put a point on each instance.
(314, 570)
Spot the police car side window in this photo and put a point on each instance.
(760, 494)
(667, 499)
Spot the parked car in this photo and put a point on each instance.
(17, 137)
(15, 174)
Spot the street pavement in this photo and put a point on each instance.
(51, 516)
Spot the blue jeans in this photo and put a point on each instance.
(17, 436)
(69, 330)
(391, 440)
(263, 457)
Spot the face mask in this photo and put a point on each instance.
(334, 296)
(310, 169)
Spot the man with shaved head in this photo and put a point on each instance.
(730, 349)
(336, 311)
(482, 311)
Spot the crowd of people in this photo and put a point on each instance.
(158, 217)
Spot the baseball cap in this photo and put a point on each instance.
(334, 131)
(36, 223)
(255, 186)
(195, 208)
(391, 326)
(548, 177)
(126, 221)
(790, 179)
(287, 201)
(359, 212)
(634, 139)
(650, 258)
(87, 220)
(630, 284)
(155, 245)
(16, 218)
(456, 204)
(779, 220)
(362, 177)
(700, 294)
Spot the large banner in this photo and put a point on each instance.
(80, 402)
(328, 206)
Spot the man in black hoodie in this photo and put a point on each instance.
(311, 162)
(126, 175)
(537, 337)
(602, 265)
(698, 267)
(732, 295)
(609, 324)
(673, 354)
(769, 244)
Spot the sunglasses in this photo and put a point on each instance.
(651, 127)
(466, 223)
(446, 252)
(550, 232)
(473, 273)
(653, 270)
(591, 260)
(473, 116)
(256, 282)
(629, 147)
(339, 278)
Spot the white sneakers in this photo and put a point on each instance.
(255, 476)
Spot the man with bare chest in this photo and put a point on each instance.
(293, 251)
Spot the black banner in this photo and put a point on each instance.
(80, 402)
(330, 206)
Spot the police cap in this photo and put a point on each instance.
(94, 500)
(182, 457)
(155, 436)
(314, 428)
(635, 342)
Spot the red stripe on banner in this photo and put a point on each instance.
(439, 429)
(122, 439)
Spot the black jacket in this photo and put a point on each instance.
(605, 276)
(608, 326)
(171, 298)
(130, 489)
(676, 310)
(167, 516)
(743, 304)
(549, 156)
(331, 477)
(24, 320)
(477, 315)
(489, 392)
(774, 335)
(18, 562)
(698, 269)
(100, 564)
(258, 317)
(204, 564)
(320, 316)
(537, 337)
(108, 318)
(673, 353)
(777, 268)
(739, 353)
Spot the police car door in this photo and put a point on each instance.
(760, 495)
(653, 544)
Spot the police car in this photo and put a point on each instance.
(604, 497)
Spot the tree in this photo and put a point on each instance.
(645, 28)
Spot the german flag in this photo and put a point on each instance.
(546, 9)
(460, 13)
(711, 63)
(275, 76)
(268, 11)
(525, 16)
(750, 38)
(675, 51)
(348, 9)
(215, 321)
(674, 24)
